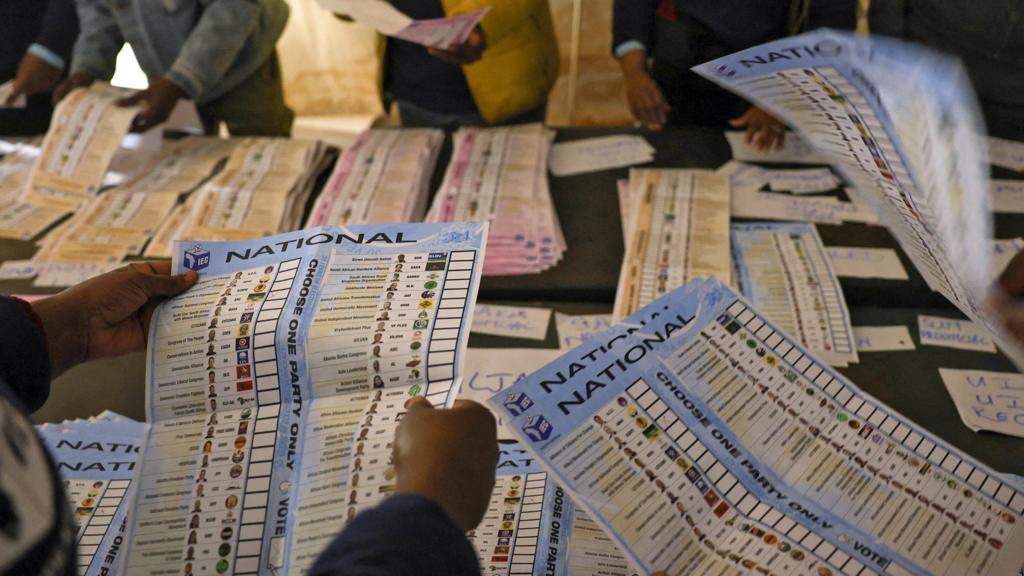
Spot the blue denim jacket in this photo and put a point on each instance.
(206, 47)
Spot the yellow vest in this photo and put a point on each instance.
(520, 63)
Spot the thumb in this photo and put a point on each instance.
(417, 403)
(161, 285)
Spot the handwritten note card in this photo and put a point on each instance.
(953, 333)
(574, 330)
(1006, 153)
(882, 338)
(20, 269)
(794, 150)
(805, 181)
(593, 154)
(511, 321)
(853, 262)
(987, 400)
(1008, 196)
(488, 371)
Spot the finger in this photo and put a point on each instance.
(167, 285)
(417, 403)
(741, 121)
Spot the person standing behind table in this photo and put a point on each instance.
(218, 53)
(658, 41)
(501, 75)
(37, 39)
(988, 36)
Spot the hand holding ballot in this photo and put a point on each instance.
(764, 131)
(464, 53)
(1003, 297)
(157, 101)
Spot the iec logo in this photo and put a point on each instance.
(196, 258)
(725, 70)
(537, 428)
(517, 403)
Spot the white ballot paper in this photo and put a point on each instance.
(900, 123)
(1006, 153)
(704, 440)
(803, 181)
(441, 33)
(986, 400)
(953, 333)
(275, 384)
(488, 371)
(1008, 196)
(882, 338)
(857, 262)
(575, 329)
(679, 230)
(783, 270)
(594, 154)
(511, 321)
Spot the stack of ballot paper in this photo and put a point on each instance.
(380, 15)
(121, 220)
(499, 175)
(705, 439)
(262, 190)
(677, 229)
(96, 461)
(19, 220)
(384, 176)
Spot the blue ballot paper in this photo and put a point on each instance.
(706, 440)
(275, 384)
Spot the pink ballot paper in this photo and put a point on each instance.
(441, 33)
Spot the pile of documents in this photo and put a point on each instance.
(96, 461)
(677, 228)
(499, 175)
(594, 154)
(443, 33)
(262, 190)
(384, 176)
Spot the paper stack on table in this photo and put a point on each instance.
(384, 176)
(784, 271)
(18, 220)
(678, 230)
(96, 460)
(594, 154)
(441, 33)
(499, 175)
(262, 190)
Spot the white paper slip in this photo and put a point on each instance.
(19, 269)
(853, 262)
(386, 19)
(882, 338)
(491, 370)
(1002, 252)
(794, 151)
(1006, 153)
(594, 154)
(5, 92)
(986, 400)
(953, 333)
(805, 181)
(1008, 196)
(575, 329)
(511, 321)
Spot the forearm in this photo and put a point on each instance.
(213, 45)
(96, 49)
(632, 21)
(24, 362)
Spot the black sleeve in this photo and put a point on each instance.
(24, 360)
(837, 14)
(633, 20)
(406, 535)
(60, 28)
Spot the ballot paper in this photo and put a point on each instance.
(86, 130)
(96, 461)
(857, 262)
(499, 175)
(384, 176)
(1006, 153)
(592, 551)
(623, 193)
(992, 401)
(18, 220)
(794, 150)
(5, 92)
(899, 122)
(953, 333)
(1002, 252)
(784, 270)
(802, 181)
(575, 329)
(441, 33)
(705, 440)
(511, 321)
(1008, 196)
(882, 338)
(679, 230)
(595, 154)
(291, 352)
(490, 370)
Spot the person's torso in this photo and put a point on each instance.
(739, 23)
(20, 23)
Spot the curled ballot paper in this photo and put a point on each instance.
(386, 19)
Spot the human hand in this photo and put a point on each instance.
(448, 456)
(157, 102)
(764, 132)
(76, 80)
(107, 315)
(466, 53)
(646, 101)
(1003, 297)
(34, 76)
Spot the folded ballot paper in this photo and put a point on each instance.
(441, 33)
(384, 176)
(900, 123)
(706, 440)
(499, 175)
(96, 461)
